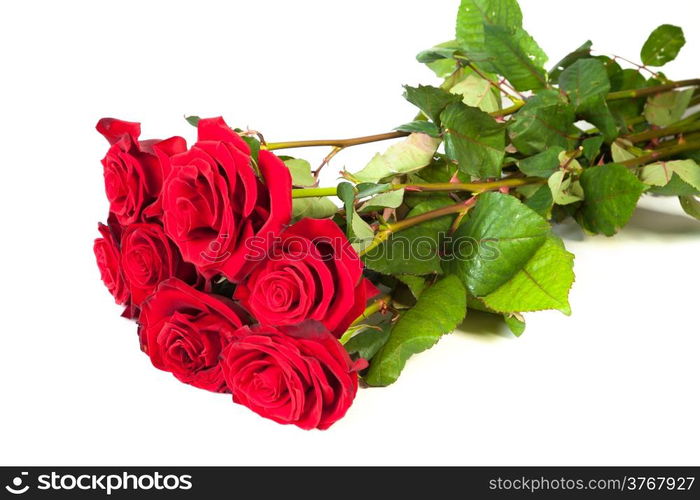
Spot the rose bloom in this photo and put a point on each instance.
(149, 257)
(183, 331)
(297, 374)
(108, 258)
(313, 273)
(133, 169)
(213, 201)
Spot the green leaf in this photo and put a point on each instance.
(625, 109)
(415, 250)
(368, 342)
(667, 108)
(440, 170)
(415, 284)
(505, 50)
(582, 52)
(498, 238)
(422, 126)
(543, 283)
(542, 164)
(365, 189)
(660, 173)
(301, 172)
(585, 81)
(545, 121)
(675, 187)
(391, 199)
(441, 51)
(541, 201)
(361, 234)
(430, 100)
(474, 139)
(409, 155)
(439, 310)
(315, 208)
(597, 112)
(591, 147)
(611, 194)
(663, 45)
(193, 120)
(473, 15)
(477, 92)
(619, 153)
(346, 194)
(562, 189)
(515, 324)
(691, 205)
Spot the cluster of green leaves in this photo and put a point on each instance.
(564, 133)
(574, 134)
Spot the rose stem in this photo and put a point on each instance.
(338, 143)
(473, 187)
(661, 153)
(634, 93)
(376, 306)
(314, 192)
(459, 208)
(681, 126)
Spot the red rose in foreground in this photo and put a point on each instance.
(297, 375)
(133, 169)
(183, 331)
(109, 263)
(149, 257)
(213, 201)
(313, 273)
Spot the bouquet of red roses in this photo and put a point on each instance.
(245, 278)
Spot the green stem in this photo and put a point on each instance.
(314, 192)
(662, 153)
(634, 93)
(509, 110)
(374, 307)
(472, 187)
(338, 143)
(459, 208)
(682, 126)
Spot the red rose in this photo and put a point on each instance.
(109, 263)
(313, 273)
(149, 257)
(213, 201)
(297, 375)
(133, 169)
(183, 332)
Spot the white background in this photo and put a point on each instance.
(615, 383)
